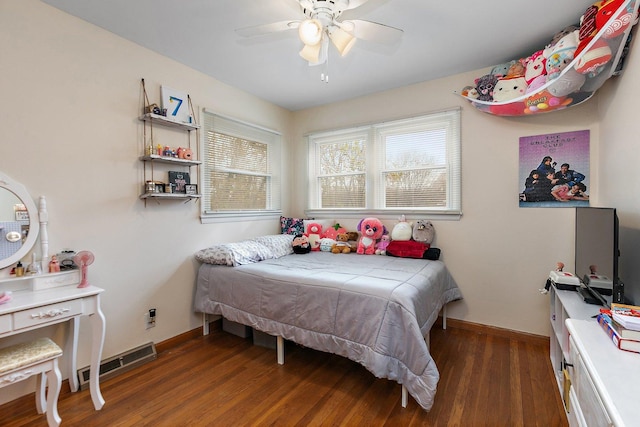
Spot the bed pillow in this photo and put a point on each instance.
(278, 245)
(291, 225)
(234, 254)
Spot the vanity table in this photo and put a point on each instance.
(29, 310)
(44, 299)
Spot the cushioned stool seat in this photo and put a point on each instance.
(39, 357)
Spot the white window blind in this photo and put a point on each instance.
(241, 167)
(410, 165)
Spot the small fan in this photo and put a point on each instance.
(83, 259)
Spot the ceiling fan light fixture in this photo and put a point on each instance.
(310, 31)
(311, 53)
(342, 40)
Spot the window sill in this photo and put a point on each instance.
(384, 214)
(221, 217)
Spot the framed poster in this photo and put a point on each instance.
(554, 170)
(176, 103)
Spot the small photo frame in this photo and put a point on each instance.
(191, 189)
(176, 103)
(22, 216)
(180, 180)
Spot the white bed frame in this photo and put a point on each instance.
(280, 346)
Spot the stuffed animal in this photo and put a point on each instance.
(517, 69)
(314, 233)
(560, 55)
(484, 87)
(352, 236)
(326, 243)
(535, 66)
(402, 230)
(423, 231)
(341, 246)
(508, 88)
(334, 230)
(560, 34)
(501, 70)
(469, 92)
(301, 244)
(592, 61)
(566, 84)
(371, 229)
(381, 246)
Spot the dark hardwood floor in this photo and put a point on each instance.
(487, 378)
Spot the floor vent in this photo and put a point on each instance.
(120, 363)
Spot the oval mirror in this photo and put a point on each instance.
(18, 218)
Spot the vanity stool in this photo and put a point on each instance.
(21, 361)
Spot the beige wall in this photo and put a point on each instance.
(69, 131)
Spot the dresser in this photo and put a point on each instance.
(55, 302)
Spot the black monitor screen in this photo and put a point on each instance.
(597, 242)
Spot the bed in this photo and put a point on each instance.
(374, 310)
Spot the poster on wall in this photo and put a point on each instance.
(554, 170)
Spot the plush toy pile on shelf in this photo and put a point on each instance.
(567, 71)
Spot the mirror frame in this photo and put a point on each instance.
(34, 220)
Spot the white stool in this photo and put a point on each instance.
(21, 361)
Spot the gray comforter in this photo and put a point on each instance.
(375, 310)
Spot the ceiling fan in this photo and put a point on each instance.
(322, 24)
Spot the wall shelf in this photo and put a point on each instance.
(162, 120)
(172, 160)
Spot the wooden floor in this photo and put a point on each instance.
(486, 379)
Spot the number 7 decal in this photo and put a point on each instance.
(179, 101)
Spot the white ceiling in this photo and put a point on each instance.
(440, 39)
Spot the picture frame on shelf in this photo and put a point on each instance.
(180, 180)
(176, 104)
(191, 189)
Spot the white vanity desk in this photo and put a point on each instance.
(60, 300)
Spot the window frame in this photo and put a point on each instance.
(449, 120)
(274, 153)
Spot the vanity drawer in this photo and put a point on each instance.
(47, 313)
(5, 323)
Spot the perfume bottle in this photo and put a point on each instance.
(19, 269)
(34, 267)
(618, 292)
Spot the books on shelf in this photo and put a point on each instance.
(622, 343)
(628, 316)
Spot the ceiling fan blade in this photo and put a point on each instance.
(261, 30)
(372, 31)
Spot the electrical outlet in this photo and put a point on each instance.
(151, 318)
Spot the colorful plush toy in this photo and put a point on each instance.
(314, 233)
(484, 87)
(334, 230)
(402, 230)
(508, 88)
(517, 69)
(469, 92)
(371, 229)
(535, 66)
(423, 231)
(501, 70)
(560, 55)
(381, 246)
(567, 83)
(341, 246)
(301, 244)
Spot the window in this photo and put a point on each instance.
(241, 169)
(399, 167)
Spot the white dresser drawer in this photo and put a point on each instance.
(48, 313)
(5, 323)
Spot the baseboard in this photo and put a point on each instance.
(170, 343)
(216, 325)
(493, 330)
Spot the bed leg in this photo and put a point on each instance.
(405, 396)
(205, 324)
(280, 349)
(444, 317)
